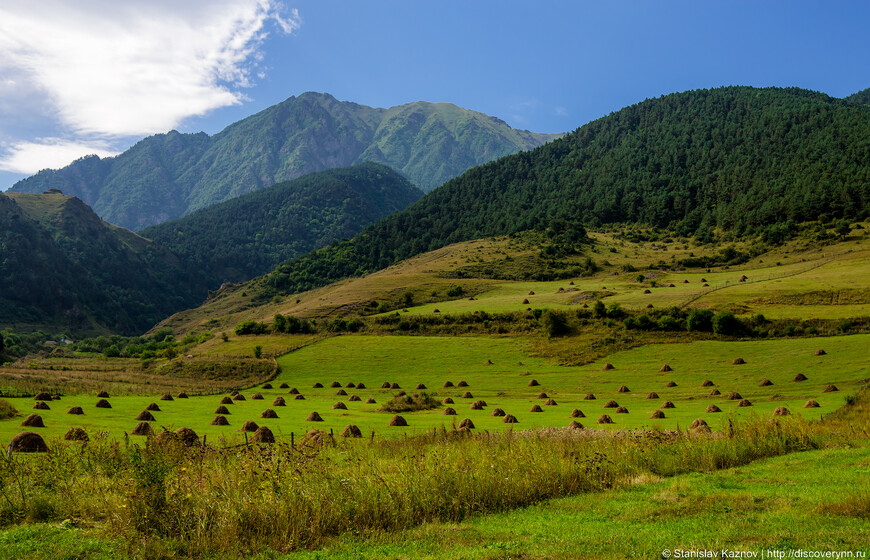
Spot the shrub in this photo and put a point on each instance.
(700, 320)
(251, 327)
(614, 311)
(410, 403)
(669, 323)
(7, 410)
(455, 291)
(725, 323)
(554, 324)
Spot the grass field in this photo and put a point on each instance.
(498, 371)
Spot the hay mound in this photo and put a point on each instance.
(385, 385)
(145, 416)
(339, 406)
(27, 442)
(812, 404)
(33, 421)
(181, 395)
(543, 396)
(577, 413)
(249, 426)
(269, 413)
(371, 401)
(153, 407)
(589, 397)
(420, 387)
(820, 352)
(467, 395)
(335, 384)
(76, 434)
(575, 425)
(314, 417)
(75, 410)
(167, 397)
(448, 400)
(103, 403)
(462, 384)
(314, 438)
(102, 395)
(830, 389)
(531, 293)
(765, 383)
(705, 285)
(611, 404)
(497, 412)
(668, 404)
(550, 402)
(351, 385)
(671, 384)
(361, 386)
(608, 367)
(525, 302)
(263, 435)
(533, 383)
(351, 430)
(738, 361)
(707, 383)
(341, 393)
(604, 419)
(476, 406)
(653, 395)
(395, 386)
(649, 306)
(39, 405)
(220, 421)
(671, 286)
(647, 291)
(623, 389)
(622, 410)
(398, 421)
(43, 396)
(448, 384)
(734, 396)
(256, 397)
(354, 398)
(665, 368)
(658, 414)
(800, 377)
(401, 394)
(536, 408)
(744, 403)
(187, 436)
(449, 411)
(279, 401)
(685, 281)
(315, 386)
(142, 429)
(715, 393)
(221, 410)
(510, 419)
(467, 424)
(713, 408)
(781, 411)
(699, 426)
(285, 386)
(226, 400)
(293, 391)
(267, 386)
(703, 279)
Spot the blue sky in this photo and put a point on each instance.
(97, 75)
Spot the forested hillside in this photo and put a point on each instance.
(167, 176)
(63, 269)
(250, 235)
(739, 159)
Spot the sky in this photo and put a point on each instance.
(96, 76)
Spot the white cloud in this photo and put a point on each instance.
(112, 69)
(48, 153)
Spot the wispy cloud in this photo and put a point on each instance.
(112, 69)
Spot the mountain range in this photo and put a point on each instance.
(167, 176)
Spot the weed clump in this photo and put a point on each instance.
(411, 403)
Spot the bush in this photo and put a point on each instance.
(598, 309)
(554, 324)
(700, 320)
(614, 311)
(455, 291)
(251, 327)
(669, 323)
(726, 324)
(410, 403)
(7, 410)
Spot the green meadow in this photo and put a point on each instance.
(498, 371)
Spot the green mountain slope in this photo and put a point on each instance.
(249, 235)
(64, 269)
(738, 158)
(166, 176)
(862, 97)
